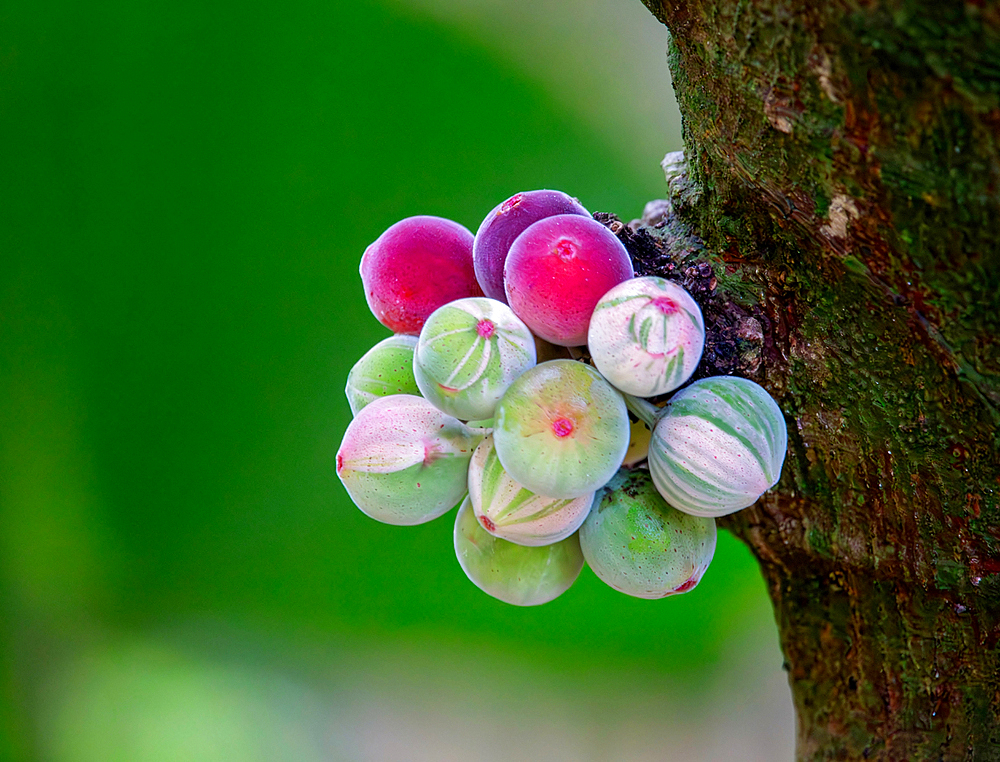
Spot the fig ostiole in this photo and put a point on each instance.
(405, 462)
(508, 510)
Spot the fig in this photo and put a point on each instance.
(515, 574)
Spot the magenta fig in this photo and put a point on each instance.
(416, 266)
(505, 223)
(556, 272)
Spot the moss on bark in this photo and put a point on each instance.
(843, 174)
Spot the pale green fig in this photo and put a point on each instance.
(638, 443)
(516, 574)
(639, 545)
(508, 510)
(718, 446)
(386, 368)
(405, 462)
(561, 430)
(646, 336)
(468, 353)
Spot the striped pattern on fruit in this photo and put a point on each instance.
(468, 353)
(646, 336)
(509, 510)
(718, 446)
(516, 574)
(405, 462)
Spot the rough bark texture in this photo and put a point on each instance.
(843, 182)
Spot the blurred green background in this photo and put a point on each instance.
(186, 192)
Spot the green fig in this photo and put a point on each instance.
(386, 368)
(639, 545)
(468, 353)
(516, 574)
(561, 430)
(405, 462)
(646, 336)
(509, 510)
(718, 446)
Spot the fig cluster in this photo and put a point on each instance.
(516, 387)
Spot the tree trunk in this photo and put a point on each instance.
(843, 174)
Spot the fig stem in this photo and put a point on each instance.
(644, 410)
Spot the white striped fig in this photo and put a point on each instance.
(386, 368)
(561, 430)
(718, 446)
(468, 353)
(639, 545)
(516, 574)
(646, 336)
(405, 462)
(508, 510)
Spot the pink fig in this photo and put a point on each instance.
(556, 272)
(416, 266)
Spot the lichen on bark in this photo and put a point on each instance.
(843, 183)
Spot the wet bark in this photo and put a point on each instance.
(842, 183)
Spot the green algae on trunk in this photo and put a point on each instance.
(842, 184)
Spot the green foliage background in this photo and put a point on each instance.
(187, 189)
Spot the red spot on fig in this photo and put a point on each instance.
(512, 203)
(430, 453)
(666, 305)
(564, 249)
(687, 585)
(340, 462)
(486, 328)
(562, 427)
(488, 525)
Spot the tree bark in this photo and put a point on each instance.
(843, 183)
